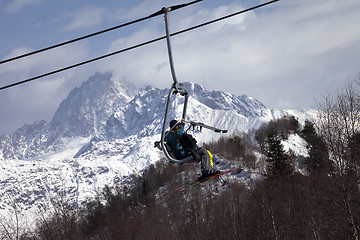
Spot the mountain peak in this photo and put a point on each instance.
(88, 107)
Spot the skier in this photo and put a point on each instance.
(184, 145)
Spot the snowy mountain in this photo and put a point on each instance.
(103, 132)
(88, 107)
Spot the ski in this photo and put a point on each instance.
(215, 176)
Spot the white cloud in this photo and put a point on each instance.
(41, 63)
(39, 99)
(281, 55)
(17, 5)
(86, 17)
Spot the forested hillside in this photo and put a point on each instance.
(280, 205)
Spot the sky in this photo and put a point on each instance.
(288, 54)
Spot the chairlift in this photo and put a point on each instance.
(176, 88)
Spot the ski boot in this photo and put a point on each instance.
(207, 173)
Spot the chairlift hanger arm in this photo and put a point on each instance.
(172, 68)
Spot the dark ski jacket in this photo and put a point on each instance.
(173, 139)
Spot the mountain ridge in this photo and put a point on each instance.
(106, 108)
(103, 132)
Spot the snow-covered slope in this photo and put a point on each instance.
(105, 131)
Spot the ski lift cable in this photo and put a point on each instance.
(96, 33)
(81, 63)
(224, 17)
(133, 47)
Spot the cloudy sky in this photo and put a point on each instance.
(287, 55)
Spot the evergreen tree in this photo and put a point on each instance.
(279, 162)
(318, 160)
(308, 130)
(294, 123)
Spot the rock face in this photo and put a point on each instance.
(87, 108)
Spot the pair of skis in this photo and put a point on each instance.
(216, 176)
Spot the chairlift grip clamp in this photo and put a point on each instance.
(180, 88)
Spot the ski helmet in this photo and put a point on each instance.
(173, 123)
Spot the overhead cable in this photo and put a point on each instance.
(97, 33)
(136, 46)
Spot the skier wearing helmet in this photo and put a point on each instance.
(184, 145)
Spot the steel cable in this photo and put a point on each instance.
(136, 46)
(96, 33)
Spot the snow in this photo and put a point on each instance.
(296, 144)
(103, 132)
